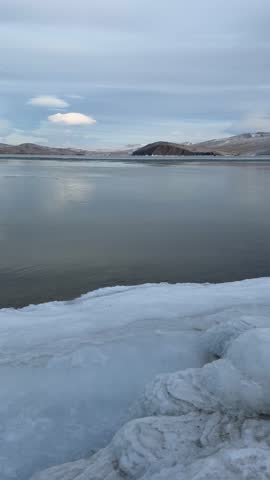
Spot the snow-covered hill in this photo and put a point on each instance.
(245, 144)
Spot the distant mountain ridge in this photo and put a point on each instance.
(257, 143)
(39, 150)
(34, 149)
(250, 144)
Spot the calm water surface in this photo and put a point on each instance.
(67, 227)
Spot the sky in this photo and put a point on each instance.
(115, 73)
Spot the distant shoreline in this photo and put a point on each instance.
(146, 159)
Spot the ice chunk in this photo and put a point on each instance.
(228, 464)
(237, 384)
(70, 371)
(187, 447)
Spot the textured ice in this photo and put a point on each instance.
(238, 384)
(71, 371)
(189, 447)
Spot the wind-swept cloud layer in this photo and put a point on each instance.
(48, 101)
(145, 69)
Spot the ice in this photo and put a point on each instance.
(239, 383)
(72, 371)
(188, 447)
(227, 464)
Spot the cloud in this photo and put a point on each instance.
(48, 101)
(72, 118)
(254, 122)
(73, 96)
(199, 130)
(16, 137)
(4, 125)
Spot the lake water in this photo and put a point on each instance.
(68, 227)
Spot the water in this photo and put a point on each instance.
(71, 226)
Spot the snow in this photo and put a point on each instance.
(91, 375)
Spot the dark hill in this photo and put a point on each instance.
(168, 148)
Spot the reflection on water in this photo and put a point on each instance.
(67, 227)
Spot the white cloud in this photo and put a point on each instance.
(198, 131)
(254, 122)
(48, 101)
(74, 96)
(72, 118)
(4, 125)
(16, 137)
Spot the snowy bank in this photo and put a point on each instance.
(71, 371)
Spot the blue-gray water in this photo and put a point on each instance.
(67, 227)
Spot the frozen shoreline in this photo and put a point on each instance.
(113, 342)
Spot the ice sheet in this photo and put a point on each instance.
(71, 372)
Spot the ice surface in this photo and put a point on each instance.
(71, 371)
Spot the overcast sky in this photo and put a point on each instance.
(108, 73)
